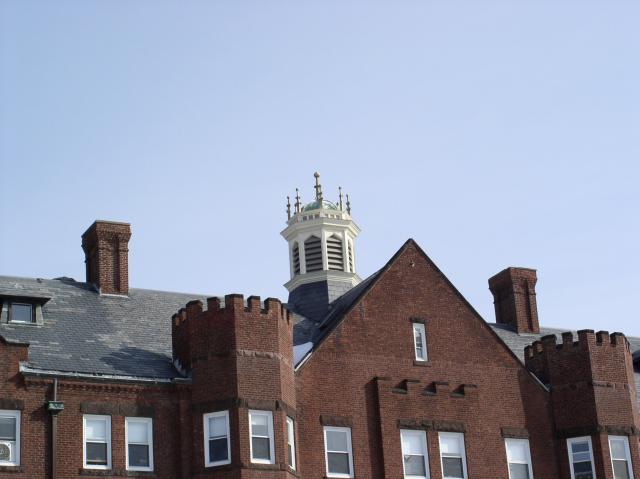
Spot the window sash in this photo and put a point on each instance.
(90, 441)
(291, 444)
(14, 443)
(329, 452)
(419, 342)
(619, 459)
(208, 438)
(12, 318)
(269, 436)
(513, 461)
(461, 456)
(573, 461)
(148, 423)
(405, 436)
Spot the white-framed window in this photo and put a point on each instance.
(620, 457)
(96, 441)
(338, 452)
(138, 434)
(261, 431)
(9, 438)
(581, 458)
(452, 456)
(217, 443)
(518, 458)
(420, 341)
(291, 444)
(415, 459)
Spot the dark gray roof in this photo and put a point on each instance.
(85, 332)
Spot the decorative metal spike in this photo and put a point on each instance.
(297, 205)
(288, 208)
(348, 205)
(318, 187)
(340, 197)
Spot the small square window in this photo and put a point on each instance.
(21, 313)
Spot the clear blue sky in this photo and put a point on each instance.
(494, 133)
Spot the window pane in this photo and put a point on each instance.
(582, 456)
(97, 453)
(138, 455)
(21, 313)
(452, 467)
(620, 470)
(8, 428)
(138, 432)
(96, 429)
(411, 444)
(414, 466)
(617, 449)
(517, 451)
(449, 445)
(582, 468)
(218, 450)
(289, 455)
(584, 475)
(519, 471)
(580, 447)
(261, 448)
(337, 441)
(217, 426)
(338, 462)
(259, 425)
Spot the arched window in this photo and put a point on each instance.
(313, 254)
(296, 258)
(334, 253)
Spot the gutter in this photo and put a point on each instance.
(27, 370)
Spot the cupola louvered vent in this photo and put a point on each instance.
(334, 253)
(313, 254)
(296, 259)
(350, 254)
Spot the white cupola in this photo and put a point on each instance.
(321, 237)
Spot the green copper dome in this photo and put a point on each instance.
(315, 205)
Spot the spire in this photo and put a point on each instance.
(297, 201)
(348, 205)
(340, 198)
(288, 208)
(318, 187)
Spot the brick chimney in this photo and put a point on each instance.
(514, 298)
(106, 251)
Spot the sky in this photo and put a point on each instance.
(494, 133)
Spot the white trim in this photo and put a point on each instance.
(272, 456)
(149, 423)
(107, 426)
(419, 327)
(572, 440)
(528, 454)
(349, 451)
(291, 441)
(205, 419)
(625, 440)
(460, 438)
(11, 413)
(422, 435)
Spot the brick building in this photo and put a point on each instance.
(392, 376)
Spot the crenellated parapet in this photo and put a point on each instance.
(591, 380)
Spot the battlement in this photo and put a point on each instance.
(594, 356)
(224, 324)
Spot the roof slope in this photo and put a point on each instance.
(85, 332)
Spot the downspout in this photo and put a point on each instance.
(54, 407)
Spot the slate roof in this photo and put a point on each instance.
(84, 332)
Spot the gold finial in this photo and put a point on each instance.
(340, 196)
(297, 205)
(348, 205)
(288, 208)
(318, 188)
